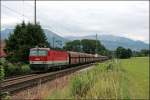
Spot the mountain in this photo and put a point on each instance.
(109, 41)
(51, 36)
(58, 40)
(5, 33)
(112, 42)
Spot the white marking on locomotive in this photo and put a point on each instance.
(49, 62)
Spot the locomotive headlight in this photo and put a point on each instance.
(31, 62)
(44, 62)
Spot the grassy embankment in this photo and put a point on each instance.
(116, 79)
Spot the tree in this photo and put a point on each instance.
(142, 53)
(145, 52)
(87, 46)
(123, 53)
(22, 39)
(129, 53)
(73, 46)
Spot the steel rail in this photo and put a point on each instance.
(19, 84)
(17, 77)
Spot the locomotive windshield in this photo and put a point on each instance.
(38, 52)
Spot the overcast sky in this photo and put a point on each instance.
(79, 18)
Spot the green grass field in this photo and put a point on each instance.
(115, 79)
(137, 75)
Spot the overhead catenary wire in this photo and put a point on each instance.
(21, 14)
(15, 11)
(43, 18)
(24, 16)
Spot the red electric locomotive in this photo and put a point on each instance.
(44, 58)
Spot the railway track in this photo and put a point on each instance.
(19, 83)
(17, 77)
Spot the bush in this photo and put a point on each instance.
(15, 69)
(81, 84)
(10, 69)
(25, 69)
(2, 74)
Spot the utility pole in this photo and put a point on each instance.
(53, 41)
(34, 11)
(96, 55)
(23, 10)
(96, 45)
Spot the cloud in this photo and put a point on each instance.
(122, 18)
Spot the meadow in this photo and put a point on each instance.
(137, 77)
(113, 79)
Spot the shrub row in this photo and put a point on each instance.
(14, 69)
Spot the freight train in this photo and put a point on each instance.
(43, 59)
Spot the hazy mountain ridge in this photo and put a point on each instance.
(109, 41)
(112, 42)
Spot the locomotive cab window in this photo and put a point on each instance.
(42, 52)
(33, 52)
(38, 52)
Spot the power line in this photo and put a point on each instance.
(41, 17)
(16, 12)
(44, 19)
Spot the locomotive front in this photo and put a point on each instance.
(38, 58)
